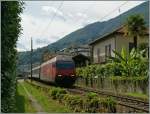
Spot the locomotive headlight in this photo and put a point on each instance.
(59, 75)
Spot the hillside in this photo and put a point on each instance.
(87, 34)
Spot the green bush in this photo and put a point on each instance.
(92, 104)
(109, 104)
(91, 95)
(10, 31)
(57, 93)
(60, 94)
(134, 64)
(74, 102)
(109, 69)
(139, 68)
(100, 71)
(54, 93)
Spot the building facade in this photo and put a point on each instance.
(104, 46)
(84, 50)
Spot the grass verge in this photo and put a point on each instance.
(48, 105)
(128, 78)
(138, 95)
(23, 104)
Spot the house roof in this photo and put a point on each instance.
(116, 23)
(117, 30)
(105, 35)
(79, 56)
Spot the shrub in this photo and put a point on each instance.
(92, 105)
(109, 104)
(117, 69)
(75, 102)
(109, 69)
(60, 94)
(57, 93)
(91, 95)
(100, 70)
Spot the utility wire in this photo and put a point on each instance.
(118, 8)
(52, 18)
(112, 12)
(86, 10)
(52, 3)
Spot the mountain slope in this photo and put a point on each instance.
(87, 34)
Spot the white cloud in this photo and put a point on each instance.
(81, 15)
(50, 9)
(45, 8)
(37, 31)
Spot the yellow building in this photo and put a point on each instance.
(115, 40)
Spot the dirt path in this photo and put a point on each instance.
(33, 101)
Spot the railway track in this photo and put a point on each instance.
(130, 102)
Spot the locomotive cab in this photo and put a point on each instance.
(65, 73)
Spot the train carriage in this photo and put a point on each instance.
(59, 70)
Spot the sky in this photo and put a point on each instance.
(48, 21)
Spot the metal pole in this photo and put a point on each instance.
(31, 58)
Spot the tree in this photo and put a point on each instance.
(135, 27)
(133, 64)
(47, 55)
(10, 21)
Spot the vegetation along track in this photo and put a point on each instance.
(127, 101)
(131, 102)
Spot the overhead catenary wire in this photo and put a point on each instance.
(117, 8)
(51, 20)
(85, 10)
(51, 4)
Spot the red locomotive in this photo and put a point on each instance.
(59, 70)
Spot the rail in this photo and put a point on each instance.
(126, 101)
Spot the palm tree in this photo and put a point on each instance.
(135, 27)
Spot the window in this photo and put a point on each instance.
(65, 65)
(98, 55)
(107, 50)
(131, 46)
(109, 54)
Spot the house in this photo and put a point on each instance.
(115, 40)
(74, 50)
(81, 60)
(80, 54)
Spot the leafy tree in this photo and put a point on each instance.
(135, 27)
(46, 56)
(132, 63)
(10, 21)
(144, 46)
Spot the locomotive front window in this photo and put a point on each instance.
(65, 65)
